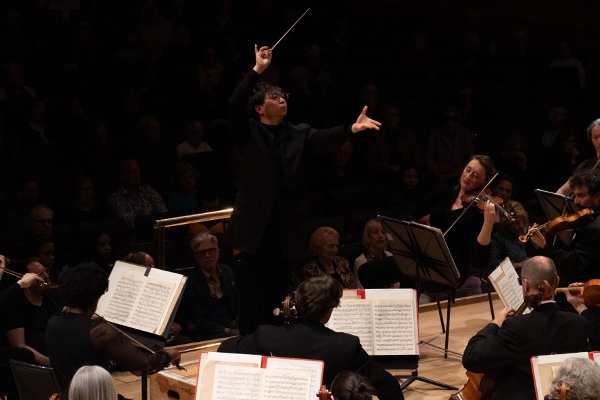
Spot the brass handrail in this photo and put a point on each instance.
(161, 224)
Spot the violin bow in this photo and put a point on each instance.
(470, 204)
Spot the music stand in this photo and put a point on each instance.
(555, 205)
(421, 252)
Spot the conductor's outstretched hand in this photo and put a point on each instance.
(263, 58)
(363, 122)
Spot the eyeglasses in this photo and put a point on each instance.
(520, 280)
(278, 95)
(209, 252)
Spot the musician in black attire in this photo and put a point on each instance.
(309, 338)
(468, 240)
(580, 260)
(505, 346)
(74, 338)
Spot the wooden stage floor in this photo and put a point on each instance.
(468, 315)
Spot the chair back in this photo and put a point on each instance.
(34, 382)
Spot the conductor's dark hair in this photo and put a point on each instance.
(257, 97)
(589, 178)
(350, 385)
(82, 285)
(316, 296)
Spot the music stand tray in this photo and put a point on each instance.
(555, 205)
(420, 252)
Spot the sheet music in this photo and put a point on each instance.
(236, 383)
(393, 327)
(544, 367)
(314, 367)
(286, 385)
(208, 363)
(505, 280)
(353, 316)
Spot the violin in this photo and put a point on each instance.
(479, 200)
(564, 222)
(590, 292)
(288, 310)
(476, 381)
(323, 393)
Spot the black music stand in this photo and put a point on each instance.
(421, 252)
(555, 205)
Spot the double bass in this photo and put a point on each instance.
(477, 381)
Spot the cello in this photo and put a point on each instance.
(477, 381)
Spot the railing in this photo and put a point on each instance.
(161, 224)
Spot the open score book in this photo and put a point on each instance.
(544, 368)
(141, 298)
(505, 281)
(385, 320)
(227, 376)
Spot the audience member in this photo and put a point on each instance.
(15, 94)
(74, 339)
(194, 131)
(154, 151)
(337, 171)
(210, 300)
(42, 249)
(392, 146)
(449, 147)
(16, 221)
(183, 200)
(83, 206)
(323, 247)
(140, 258)
(350, 385)
(33, 133)
(309, 338)
(566, 59)
(92, 382)
(98, 249)
(208, 200)
(133, 198)
(25, 308)
(411, 187)
(506, 188)
(374, 244)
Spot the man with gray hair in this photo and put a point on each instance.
(581, 378)
(210, 300)
(505, 345)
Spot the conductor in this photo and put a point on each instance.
(269, 211)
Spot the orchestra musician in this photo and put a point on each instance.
(468, 239)
(269, 211)
(504, 346)
(580, 260)
(309, 338)
(74, 338)
(591, 314)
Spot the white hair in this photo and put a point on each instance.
(91, 382)
(581, 376)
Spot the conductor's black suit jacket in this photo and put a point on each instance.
(274, 174)
(312, 340)
(507, 350)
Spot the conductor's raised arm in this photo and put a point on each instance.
(263, 58)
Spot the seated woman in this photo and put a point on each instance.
(25, 308)
(99, 248)
(74, 339)
(183, 199)
(350, 385)
(323, 246)
(92, 382)
(374, 244)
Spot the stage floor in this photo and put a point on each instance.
(468, 315)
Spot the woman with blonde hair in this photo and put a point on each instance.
(92, 382)
(323, 246)
(374, 247)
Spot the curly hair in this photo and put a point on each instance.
(81, 286)
(581, 376)
(589, 178)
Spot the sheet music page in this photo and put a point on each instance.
(208, 364)
(505, 280)
(396, 330)
(353, 316)
(315, 367)
(236, 383)
(286, 385)
(139, 297)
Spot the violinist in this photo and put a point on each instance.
(469, 238)
(504, 346)
(25, 308)
(505, 188)
(580, 260)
